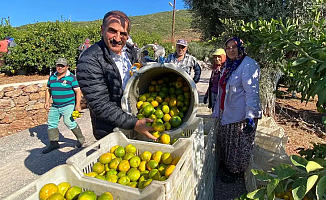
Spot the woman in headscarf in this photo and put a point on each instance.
(219, 58)
(237, 109)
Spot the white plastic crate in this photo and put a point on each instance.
(67, 173)
(206, 180)
(194, 132)
(267, 122)
(263, 159)
(270, 138)
(85, 159)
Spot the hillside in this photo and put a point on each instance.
(157, 23)
(161, 24)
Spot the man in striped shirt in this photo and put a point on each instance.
(66, 96)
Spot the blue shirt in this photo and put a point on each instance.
(62, 90)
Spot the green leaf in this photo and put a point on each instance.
(322, 66)
(313, 166)
(299, 187)
(284, 171)
(257, 194)
(320, 187)
(261, 175)
(298, 161)
(272, 184)
(299, 61)
(320, 161)
(311, 182)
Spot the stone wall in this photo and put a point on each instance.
(22, 107)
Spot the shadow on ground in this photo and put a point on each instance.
(40, 163)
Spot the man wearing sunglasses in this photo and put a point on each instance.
(63, 87)
(182, 59)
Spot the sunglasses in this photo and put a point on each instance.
(61, 66)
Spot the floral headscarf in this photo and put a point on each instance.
(231, 65)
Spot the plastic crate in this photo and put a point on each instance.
(67, 173)
(194, 132)
(85, 159)
(263, 159)
(267, 122)
(270, 138)
(205, 184)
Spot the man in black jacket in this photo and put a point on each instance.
(102, 73)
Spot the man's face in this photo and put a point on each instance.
(115, 35)
(181, 50)
(61, 69)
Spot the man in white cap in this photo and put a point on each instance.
(182, 59)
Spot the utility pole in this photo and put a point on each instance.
(173, 24)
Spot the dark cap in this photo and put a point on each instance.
(62, 61)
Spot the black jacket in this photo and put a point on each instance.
(100, 82)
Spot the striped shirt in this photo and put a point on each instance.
(62, 90)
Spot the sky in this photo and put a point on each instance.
(22, 12)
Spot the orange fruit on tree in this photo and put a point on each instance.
(145, 174)
(167, 158)
(165, 139)
(146, 156)
(143, 184)
(105, 196)
(180, 104)
(159, 99)
(150, 99)
(175, 121)
(124, 166)
(167, 117)
(153, 117)
(181, 114)
(111, 172)
(178, 84)
(91, 174)
(180, 97)
(47, 190)
(169, 170)
(161, 168)
(167, 99)
(157, 88)
(135, 161)
(113, 148)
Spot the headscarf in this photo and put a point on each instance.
(216, 69)
(232, 65)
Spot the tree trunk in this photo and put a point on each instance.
(268, 82)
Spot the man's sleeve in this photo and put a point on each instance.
(94, 87)
(197, 71)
